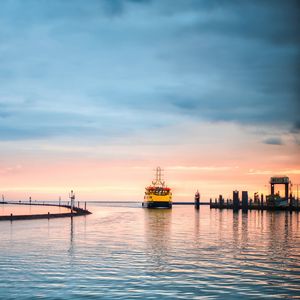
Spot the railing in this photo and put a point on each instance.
(75, 211)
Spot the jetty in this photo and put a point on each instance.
(251, 205)
(271, 202)
(74, 210)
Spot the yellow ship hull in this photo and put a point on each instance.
(157, 201)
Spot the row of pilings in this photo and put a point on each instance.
(245, 204)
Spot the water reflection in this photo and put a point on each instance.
(244, 238)
(157, 232)
(235, 228)
(71, 246)
(126, 252)
(197, 224)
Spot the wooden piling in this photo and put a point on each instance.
(221, 201)
(236, 201)
(244, 201)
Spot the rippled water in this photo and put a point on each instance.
(126, 252)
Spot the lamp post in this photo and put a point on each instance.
(72, 198)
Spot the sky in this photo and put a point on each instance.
(95, 94)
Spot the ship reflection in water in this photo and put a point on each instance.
(123, 251)
(157, 234)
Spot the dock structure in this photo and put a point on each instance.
(74, 210)
(270, 202)
(280, 180)
(257, 204)
(294, 206)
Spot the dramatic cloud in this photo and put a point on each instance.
(109, 68)
(273, 141)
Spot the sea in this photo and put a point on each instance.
(122, 251)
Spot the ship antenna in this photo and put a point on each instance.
(158, 178)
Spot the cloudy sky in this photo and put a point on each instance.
(95, 94)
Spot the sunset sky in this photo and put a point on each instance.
(95, 94)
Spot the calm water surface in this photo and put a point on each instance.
(126, 252)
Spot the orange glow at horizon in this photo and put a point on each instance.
(120, 171)
(100, 181)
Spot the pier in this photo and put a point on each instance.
(74, 210)
(271, 202)
(240, 205)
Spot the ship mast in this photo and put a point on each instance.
(158, 178)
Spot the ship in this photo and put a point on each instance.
(158, 195)
(276, 201)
